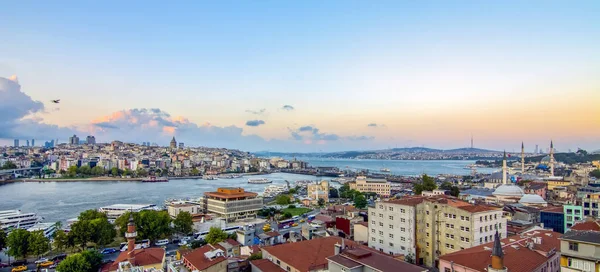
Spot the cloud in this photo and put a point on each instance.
(17, 111)
(311, 133)
(360, 138)
(255, 123)
(308, 128)
(257, 112)
(375, 125)
(287, 107)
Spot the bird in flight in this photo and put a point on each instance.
(56, 101)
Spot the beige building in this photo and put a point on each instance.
(191, 207)
(361, 232)
(318, 191)
(232, 203)
(368, 185)
(446, 225)
(580, 247)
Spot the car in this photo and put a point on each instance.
(41, 260)
(108, 251)
(59, 257)
(19, 268)
(53, 266)
(162, 242)
(19, 263)
(295, 225)
(46, 263)
(182, 243)
(286, 227)
(2, 265)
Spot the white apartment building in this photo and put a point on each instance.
(392, 226)
(370, 185)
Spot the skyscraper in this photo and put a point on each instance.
(32, 142)
(27, 143)
(91, 140)
(74, 140)
(16, 143)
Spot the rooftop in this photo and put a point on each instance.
(356, 257)
(141, 257)
(408, 201)
(517, 256)
(266, 266)
(587, 225)
(198, 257)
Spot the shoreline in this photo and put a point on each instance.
(101, 179)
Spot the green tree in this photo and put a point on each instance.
(150, 224)
(446, 185)
(343, 190)
(38, 244)
(333, 193)
(90, 214)
(114, 171)
(283, 199)
(255, 256)
(195, 171)
(360, 202)
(321, 202)
(87, 261)
(595, 173)
(454, 191)
(127, 172)
(293, 191)
(92, 226)
(215, 235)
(85, 170)
(183, 222)
(98, 171)
(61, 240)
(427, 184)
(286, 215)
(2, 239)
(141, 172)
(82, 233)
(232, 236)
(8, 165)
(18, 243)
(197, 243)
(104, 231)
(72, 171)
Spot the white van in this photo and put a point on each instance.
(162, 242)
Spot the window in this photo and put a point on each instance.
(466, 228)
(372, 222)
(391, 209)
(402, 229)
(402, 238)
(391, 217)
(391, 244)
(289, 269)
(573, 246)
(402, 247)
(466, 239)
(428, 234)
(278, 262)
(446, 269)
(481, 219)
(391, 235)
(462, 217)
(381, 241)
(462, 228)
(402, 220)
(466, 218)
(569, 211)
(480, 229)
(462, 238)
(373, 213)
(381, 206)
(381, 224)
(454, 216)
(373, 239)
(381, 215)
(427, 212)
(427, 244)
(380, 232)
(402, 210)
(391, 226)
(373, 230)
(427, 225)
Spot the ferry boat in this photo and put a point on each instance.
(259, 181)
(209, 177)
(15, 219)
(114, 211)
(273, 190)
(155, 179)
(385, 170)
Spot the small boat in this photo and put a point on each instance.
(385, 170)
(155, 179)
(209, 177)
(259, 181)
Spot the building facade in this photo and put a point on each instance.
(318, 191)
(232, 203)
(368, 185)
(572, 214)
(553, 218)
(580, 251)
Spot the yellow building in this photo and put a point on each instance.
(596, 164)
(557, 183)
(367, 185)
(318, 191)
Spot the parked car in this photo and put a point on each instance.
(2, 265)
(108, 251)
(182, 243)
(59, 257)
(46, 263)
(19, 262)
(162, 242)
(19, 268)
(41, 260)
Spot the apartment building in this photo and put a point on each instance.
(446, 224)
(175, 208)
(580, 248)
(572, 214)
(368, 185)
(232, 203)
(318, 191)
(392, 226)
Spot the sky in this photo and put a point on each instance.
(303, 76)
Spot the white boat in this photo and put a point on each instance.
(259, 181)
(385, 170)
(15, 219)
(114, 211)
(47, 228)
(209, 177)
(273, 190)
(155, 179)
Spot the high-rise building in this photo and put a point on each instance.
(74, 140)
(536, 149)
(27, 143)
(16, 143)
(32, 142)
(49, 144)
(91, 140)
(181, 145)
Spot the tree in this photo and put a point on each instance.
(232, 236)
(286, 215)
(127, 172)
(114, 171)
(183, 222)
(90, 214)
(195, 171)
(293, 191)
(360, 202)
(2, 239)
(343, 190)
(72, 171)
(215, 235)
(92, 226)
(595, 173)
(255, 256)
(85, 170)
(197, 243)
(86, 261)
(333, 193)
(141, 172)
(446, 185)
(97, 171)
(283, 200)
(454, 191)
(18, 243)
(321, 202)
(38, 243)
(427, 184)
(150, 224)
(61, 240)
(8, 165)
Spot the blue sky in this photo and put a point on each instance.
(506, 72)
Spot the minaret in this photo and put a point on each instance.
(130, 236)
(522, 158)
(497, 264)
(551, 159)
(504, 168)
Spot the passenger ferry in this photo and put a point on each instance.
(155, 179)
(273, 190)
(15, 219)
(47, 228)
(259, 181)
(114, 211)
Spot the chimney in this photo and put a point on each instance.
(337, 249)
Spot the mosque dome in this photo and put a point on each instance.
(532, 199)
(509, 190)
(546, 160)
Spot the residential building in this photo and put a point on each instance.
(534, 251)
(185, 206)
(572, 214)
(589, 202)
(74, 140)
(392, 226)
(361, 232)
(207, 258)
(16, 143)
(232, 203)
(536, 188)
(553, 218)
(318, 191)
(447, 225)
(364, 260)
(264, 265)
(369, 185)
(580, 248)
(91, 140)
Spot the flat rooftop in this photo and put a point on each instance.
(127, 206)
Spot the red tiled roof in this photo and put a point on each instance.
(554, 209)
(373, 259)
(266, 265)
(272, 233)
(324, 218)
(232, 242)
(522, 259)
(409, 200)
(587, 225)
(304, 254)
(199, 261)
(141, 257)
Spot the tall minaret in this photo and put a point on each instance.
(522, 158)
(551, 159)
(504, 168)
(130, 236)
(497, 264)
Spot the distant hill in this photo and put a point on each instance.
(470, 150)
(567, 158)
(352, 154)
